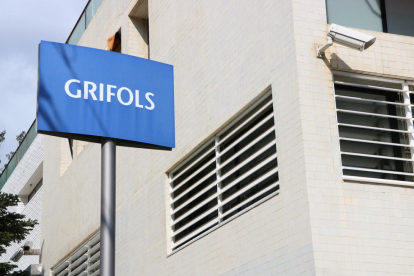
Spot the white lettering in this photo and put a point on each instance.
(91, 88)
(78, 92)
(119, 96)
(87, 90)
(101, 92)
(109, 93)
(152, 106)
(137, 99)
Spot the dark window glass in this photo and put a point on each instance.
(389, 16)
(400, 16)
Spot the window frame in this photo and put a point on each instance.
(206, 143)
(405, 88)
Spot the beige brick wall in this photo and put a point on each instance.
(225, 53)
(357, 229)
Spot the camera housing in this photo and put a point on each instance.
(346, 37)
(27, 246)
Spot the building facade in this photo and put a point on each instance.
(285, 163)
(23, 177)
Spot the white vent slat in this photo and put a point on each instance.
(369, 86)
(376, 156)
(94, 266)
(195, 233)
(191, 199)
(376, 171)
(249, 172)
(96, 273)
(62, 266)
(195, 184)
(378, 180)
(242, 164)
(195, 207)
(356, 99)
(192, 175)
(266, 106)
(95, 249)
(247, 147)
(82, 251)
(248, 142)
(248, 187)
(274, 185)
(194, 196)
(262, 122)
(228, 161)
(63, 272)
(209, 151)
(200, 217)
(372, 114)
(94, 241)
(95, 257)
(376, 128)
(79, 269)
(376, 142)
(76, 264)
(79, 260)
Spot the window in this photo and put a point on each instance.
(375, 124)
(84, 260)
(88, 13)
(389, 16)
(34, 191)
(114, 42)
(228, 175)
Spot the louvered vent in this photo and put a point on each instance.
(230, 174)
(84, 261)
(375, 125)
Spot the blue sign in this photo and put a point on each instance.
(87, 94)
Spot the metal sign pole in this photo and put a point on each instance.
(108, 206)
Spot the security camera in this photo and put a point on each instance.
(27, 246)
(346, 37)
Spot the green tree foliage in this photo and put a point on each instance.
(13, 229)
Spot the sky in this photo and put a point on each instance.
(23, 24)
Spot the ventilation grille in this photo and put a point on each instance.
(230, 174)
(375, 125)
(83, 262)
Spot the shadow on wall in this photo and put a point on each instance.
(336, 63)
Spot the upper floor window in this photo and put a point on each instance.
(35, 190)
(376, 130)
(388, 16)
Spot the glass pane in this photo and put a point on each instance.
(400, 16)
(95, 5)
(89, 13)
(91, 10)
(12, 165)
(78, 31)
(362, 14)
(3, 179)
(31, 135)
(22, 150)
